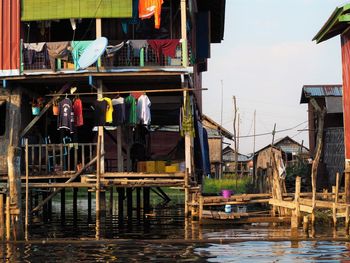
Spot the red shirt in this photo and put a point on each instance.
(78, 112)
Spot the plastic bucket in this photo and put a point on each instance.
(226, 193)
(228, 209)
(35, 111)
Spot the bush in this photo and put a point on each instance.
(229, 182)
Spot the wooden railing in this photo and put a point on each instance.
(59, 158)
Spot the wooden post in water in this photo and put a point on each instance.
(129, 203)
(98, 174)
(296, 212)
(110, 206)
(14, 181)
(8, 219)
(336, 197)
(146, 200)
(121, 193)
(306, 224)
(63, 205)
(75, 204)
(2, 224)
(347, 198)
(27, 189)
(319, 144)
(89, 207)
(138, 203)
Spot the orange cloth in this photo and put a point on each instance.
(148, 8)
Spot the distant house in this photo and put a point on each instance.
(285, 149)
(332, 157)
(216, 136)
(292, 148)
(245, 163)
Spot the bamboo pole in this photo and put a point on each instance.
(98, 175)
(131, 91)
(336, 191)
(8, 219)
(184, 33)
(27, 189)
(2, 223)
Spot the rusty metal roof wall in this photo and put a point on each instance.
(310, 91)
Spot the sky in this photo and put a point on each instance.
(266, 57)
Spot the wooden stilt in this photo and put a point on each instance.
(187, 194)
(89, 207)
(146, 200)
(98, 174)
(44, 195)
(75, 204)
(138, 203)
(296, 212)
(63, 205)
(8, 219)
(103, 206)
(121, 195)
(27, 191)
(129, 203)
(336, 197)
(306, 223)
(347, 198)
(111, 192)
(2, 224)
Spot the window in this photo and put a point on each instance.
(2, 117)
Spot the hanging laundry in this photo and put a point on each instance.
(186, 117)
(57, 50)
(137, 45)
(144, 110)
(31, 53)
(130, 110)
(78, 112)
(148, 8)
(37, 47)
(118, 111)
(134, 20)
(78, 49)
(111, 50)
(66, 115)
(109, 109)
(100, 107)
(137, 94)
(166, 47)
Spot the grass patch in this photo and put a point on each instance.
(216, 185)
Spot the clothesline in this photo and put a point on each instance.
(123, 92)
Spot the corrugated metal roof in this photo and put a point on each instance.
(310, 91)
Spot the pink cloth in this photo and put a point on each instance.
(166, 47)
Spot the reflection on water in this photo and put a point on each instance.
(164, 236)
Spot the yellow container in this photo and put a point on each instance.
(141, 167)
(150, 167)
(170, 169)
(160, 166)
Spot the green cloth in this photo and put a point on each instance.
(34, 10)
(130, 110)
(78, 49)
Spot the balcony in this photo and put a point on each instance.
(119, 56)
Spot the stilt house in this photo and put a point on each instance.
(92, 57)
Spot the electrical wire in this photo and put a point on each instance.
(270, 133)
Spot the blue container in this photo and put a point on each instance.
(228, 209)
(35, 111)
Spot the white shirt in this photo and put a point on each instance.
(143, 110)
